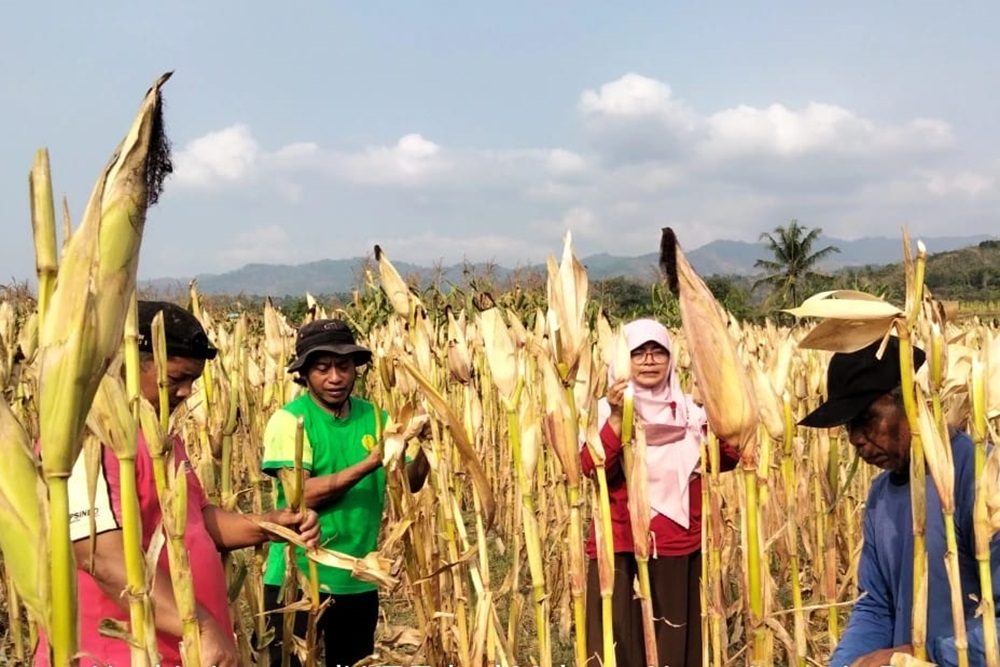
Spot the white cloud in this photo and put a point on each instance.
(637, 97)
(270, 245)
(561, 162)
(411, 161)
(635, 119)
(228, 156)
(581, 221)
(647, 159)
(817, 129)
(964, 183)
(233, 156)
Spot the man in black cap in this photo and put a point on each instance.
(345, 483)
(209, 530)
(864, 394)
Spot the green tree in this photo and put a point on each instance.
(731, 295)
(794, 260)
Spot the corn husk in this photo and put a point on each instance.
(459, 357)
(500, 353)
(566, 290)
(728, 393)
(23, 528)
(399, 293)
(95, 281)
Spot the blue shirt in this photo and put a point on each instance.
(881, 618)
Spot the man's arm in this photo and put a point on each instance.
(321, 490)
(231, 530)
(108, 570)
(325, 489)
(870, 627)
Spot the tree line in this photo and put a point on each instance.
(789, 273)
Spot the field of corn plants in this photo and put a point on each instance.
(485, 565)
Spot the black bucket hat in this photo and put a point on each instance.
(184, 334)
(332, 336)
(855, 380)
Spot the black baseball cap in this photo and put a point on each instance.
(184, 333)
(854, 380)
(332, 336)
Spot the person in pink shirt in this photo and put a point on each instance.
(210, 529)
(674, 425)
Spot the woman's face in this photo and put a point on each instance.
(649, 365)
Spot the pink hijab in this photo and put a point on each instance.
(673, 424)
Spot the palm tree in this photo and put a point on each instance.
(794, 259)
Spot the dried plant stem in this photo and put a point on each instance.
(792, 533)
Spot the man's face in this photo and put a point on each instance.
(881, 434)
(181, 374)
(331, 378)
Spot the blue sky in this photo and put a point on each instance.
(450, 131)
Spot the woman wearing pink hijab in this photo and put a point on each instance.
(674, 426)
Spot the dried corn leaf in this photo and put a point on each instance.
(846, 305)
(846, 335)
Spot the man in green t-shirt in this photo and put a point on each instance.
(345, 484)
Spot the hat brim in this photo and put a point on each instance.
(839, 411)
(361, 355)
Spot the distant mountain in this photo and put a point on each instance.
(721, 257)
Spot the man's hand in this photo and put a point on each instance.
(218, 648)
(882, 657)
(306, 524)
(374, 458)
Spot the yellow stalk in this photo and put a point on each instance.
(525, 451)
(605, 542)
(112, 421)
(939, 461)
(755, 590)
(229, 427)
(451, 541)
(792, 527)
(714, 540)
(918, 474)
(981, 522)
(174, 523)
(639, 515)
(827, 521)
(561, 432)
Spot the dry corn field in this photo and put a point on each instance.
(485, 565)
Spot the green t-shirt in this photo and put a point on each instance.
(349, 524)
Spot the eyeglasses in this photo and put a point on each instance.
(657, 354)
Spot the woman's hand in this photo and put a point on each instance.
(616, 396)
